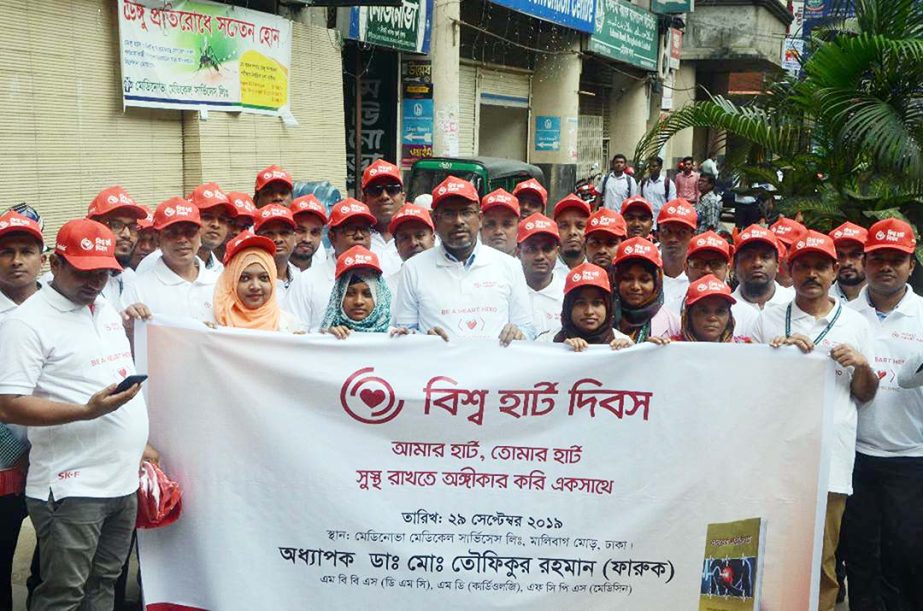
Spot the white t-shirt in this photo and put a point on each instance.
(282, 286)
(617, 189)
(166, 293)
(477, 301)
(148, 262)
(560, 268)
(393, 281)
(674, 292)
(387, 254)
(547, 304)
(891, 424)
(783, 296)
(308, 295)
(851, 329)
(115, 287)
(66, 352)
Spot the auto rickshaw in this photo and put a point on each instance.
(485, 173)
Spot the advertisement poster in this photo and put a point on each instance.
(417, 119)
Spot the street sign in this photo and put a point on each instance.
(547, 133)
(626, 33)
(672, 7)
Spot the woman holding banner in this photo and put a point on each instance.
(637, 274)
(586, 316)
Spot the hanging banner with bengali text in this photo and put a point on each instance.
(197, 55)
(626, 33)
(410, 473)
(403, 28)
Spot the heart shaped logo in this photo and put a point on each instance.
(372, 398)
(882, 374)
(727, 575)
(472, 324)
(123, 372)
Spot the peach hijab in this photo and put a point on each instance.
(230, 311)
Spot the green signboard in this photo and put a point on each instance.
(625, 33)
(669, 7)
(405, 27)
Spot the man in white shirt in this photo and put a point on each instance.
(413, 233)
(383, 193)
(273, 186)
(115, 208)
(617, 185)
(884, 517)
(677, 223)
(178, 284)
(532, 197)
(87, 440)
(657, 188)
(814, 321)
(462, 288)
(538, 250)
(756, 262)
(277, 223)
(350, 225)
(571, 215)
(849, 240)
(500, 221)
(709, 253)
(217, 214)
(605, 230)
(310, 217)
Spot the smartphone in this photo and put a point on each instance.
(128, 383)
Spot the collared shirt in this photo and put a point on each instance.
(67, 352)
(13, 442)
(892, 424)
(561, 267)
(618, 189)
(709, 210)
(166, 293)
(7, 306)
(547, 304)
(148, 263)
(836, 291)
(476, 298)
(687, 187)
(782, 296)
(308, 295)
(387, 254)
(674, 292)
(746, 313)
(657, 191)
(282, 286)
(116, 286)
(850, 329)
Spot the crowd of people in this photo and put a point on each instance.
(639, 269)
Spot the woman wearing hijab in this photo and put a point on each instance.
(637, 294)
(586, 316)
(245, 294)
(360, 300)
(707, 314)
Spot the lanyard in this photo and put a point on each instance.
(823, 334)
(644, 332)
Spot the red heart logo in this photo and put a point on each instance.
(372, 397)
(727, 575)
(472, 324)
(882, 374)
(123, 372)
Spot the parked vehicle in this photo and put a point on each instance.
(485, 173)
(585, 188)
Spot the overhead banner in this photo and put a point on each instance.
(204, 56)
(575, 14)
(404, 28)
(411, 473)
(626, 33)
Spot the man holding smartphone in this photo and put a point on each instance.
(87, 440)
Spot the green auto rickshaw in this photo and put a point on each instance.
(486, 173)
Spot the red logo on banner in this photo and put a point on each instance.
(369, 398)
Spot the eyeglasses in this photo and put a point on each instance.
(712, 265)
(353, 229)
(119, 226)
(465, 214)
(376, 190)
(180, 230)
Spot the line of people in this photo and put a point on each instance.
(491, 267)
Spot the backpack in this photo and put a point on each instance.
(667, 185)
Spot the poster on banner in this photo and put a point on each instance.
(403, 28)
(792, 53)
(584, 481)
(626, 33)
(199, 55)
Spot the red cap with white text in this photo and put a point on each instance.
(708, 286)
(756, 234)
(532, 186)
(87, 245)
(454, 187)
(209, 195)
(175, 210)
(381, 169)
(248, 239)
(587, 274)
(636, 201)
(709, 241)
(678, 211)
(891, 233)
(571, 202)
(607, 221)
(849, 232)
(243, 204)
(788, 231)
(13, 222)
(637, 248)
(273, 212)
(410, 212)
(813, 241)
(112, 199)
(348, 209)
(272, 174)
(500, 198)
(536, 224)
(309, 204)
(357, 257)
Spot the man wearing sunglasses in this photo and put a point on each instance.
(383, 193)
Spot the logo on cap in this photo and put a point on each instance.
(575, 277)
(348, 260)
(112, 199)
(880, 235)
(629, 250)
(86, 244)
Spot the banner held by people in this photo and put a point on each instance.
(407, 472)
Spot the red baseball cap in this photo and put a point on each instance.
(350, 208)
(243, 204)
(500, 198)
(849, 232)
(678, 210)
(379, 169)
(454, 187)
(248, 239)
(788, 231)
(273, 212)
(608, 221)
(13, 222)
(754, 234)
(709, 241)
(87, 245)
(636, 201)
(112, 199)
(410, 212)
(638, 248)
(891, 233)
(535, 224)
(813, 241)
(532, 186)
(357, 257)
(587, 274)
(147, 222)
(708, 286)
(309, 204)
(571, 201)
(209, 195)
(272, 174)
(176, 210)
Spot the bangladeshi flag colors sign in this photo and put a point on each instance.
(204, 56)
(411, 473)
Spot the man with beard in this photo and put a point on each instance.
(462, 288)
(849, 240)
(277, 223)
(273, 186)
(413, 233)
(756, 262)
(676, 224)
(813, 321)
(605, 230)
(571, 214)
(115, 208)
(217, 213)
(538, 250)
(310, 217)
(350, 225)
(499, 221)
(532, 197)
(639, 217)
(383, 193)
(147, 241)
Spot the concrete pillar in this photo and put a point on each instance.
(680, 145)
(629, 110)
(444, 48)
(555, 94)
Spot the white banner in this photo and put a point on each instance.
(409, 473)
